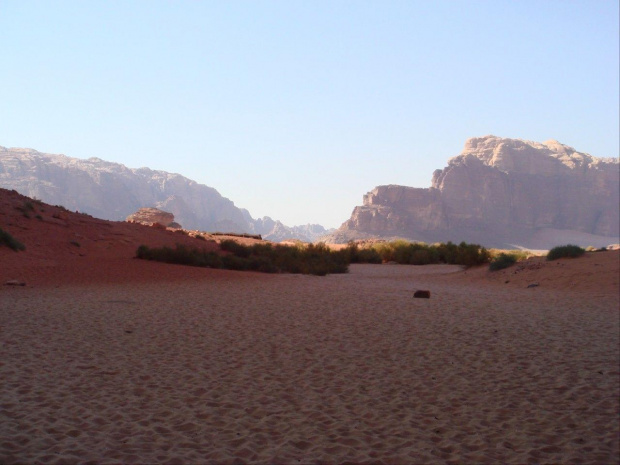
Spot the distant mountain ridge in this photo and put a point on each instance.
(500, 192)
(113, 191)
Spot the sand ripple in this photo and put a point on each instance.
(299, 369)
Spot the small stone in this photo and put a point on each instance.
(533, 285)
(14, 282)
(422, 294)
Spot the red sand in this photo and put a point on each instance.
(109, 359)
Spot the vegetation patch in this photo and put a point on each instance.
(316, 259)
(418, 253)
(231, 234)
(503, 260)
(565, 251)
(26, 208)
(10, 241)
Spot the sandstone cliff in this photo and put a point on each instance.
(113, 191)
(500, 192)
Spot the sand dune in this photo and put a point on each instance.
(106, 359)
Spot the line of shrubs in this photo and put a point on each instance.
(316, 259)
(418, 253)
(319, 259)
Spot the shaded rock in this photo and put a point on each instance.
(421, 294)
(14, 282)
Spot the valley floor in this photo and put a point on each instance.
(228, 367)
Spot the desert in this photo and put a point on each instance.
(109, 359)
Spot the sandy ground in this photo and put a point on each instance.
(228, 367)
(108, 359)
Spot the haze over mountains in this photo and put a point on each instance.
(113, 191)
(501, 193)
(498, 192)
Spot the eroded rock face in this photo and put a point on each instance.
(499, 192)
(113, 191)
(149, 216)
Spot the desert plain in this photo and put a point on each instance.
(107, 359)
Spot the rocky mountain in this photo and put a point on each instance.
(501, 193)
(113, 191)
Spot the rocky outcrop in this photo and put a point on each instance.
(149, 216)
(112, 191)
(500, 192)
(278, 232)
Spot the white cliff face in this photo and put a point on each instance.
(528, 157)
(113, 191)
(498, 191)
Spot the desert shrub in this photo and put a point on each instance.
(503, 260)
(565, 251)
(471, 255)
(235, 248)
(75, 243)
(519, 255)
(353, 253)
(10, 241)
(39, 217)
(368, 255)
(26, 208)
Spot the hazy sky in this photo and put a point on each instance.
(295, 109)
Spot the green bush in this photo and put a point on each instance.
(502, 261)
(10, 241)
(565, 251)
(236, 248)
(354, 254)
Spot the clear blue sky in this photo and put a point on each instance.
(295, 109)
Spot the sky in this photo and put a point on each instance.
(295, 109)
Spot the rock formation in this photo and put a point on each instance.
(112, 191)
(149, 216)
(500, 192)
